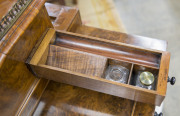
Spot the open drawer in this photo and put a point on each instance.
(88, 62)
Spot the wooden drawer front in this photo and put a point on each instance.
(83, 61)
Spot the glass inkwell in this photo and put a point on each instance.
(117, 73)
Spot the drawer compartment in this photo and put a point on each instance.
(76, 61)
(100, 65)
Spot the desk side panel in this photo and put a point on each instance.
(16, 81)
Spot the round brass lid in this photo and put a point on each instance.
(146, 78)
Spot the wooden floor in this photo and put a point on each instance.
(100, 14)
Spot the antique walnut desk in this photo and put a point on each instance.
(51, 64)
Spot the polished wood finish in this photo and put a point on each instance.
(34, 96)
(60, 91)
(144, 42)
(142, 109)
(65, 24)
(107, 48)
(98, 84)
(100, 47)
(20, 35)
(22, 97)
(50, 101)
(62, 99)
(163, 72)
(17, 83)
(53, 10)
(42, 49)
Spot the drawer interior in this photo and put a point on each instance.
(109, 49)
(88, 63)
(96, 65)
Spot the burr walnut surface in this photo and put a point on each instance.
(17, 83)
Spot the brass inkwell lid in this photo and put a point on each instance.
(146, 78)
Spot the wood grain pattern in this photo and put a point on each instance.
(116, 36)
(142, 109)
(21, 90)
(162, 45)
(98, 84)
(76, 22)
(65, 18)
(15, 42)
(51, 101)
(43, 48)
(32, 101)
(163, 73)
(38, 88)
(99, 47)
(17, 82)
(62, 99)
(76, 61)
(107, 48)
(59, 95)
